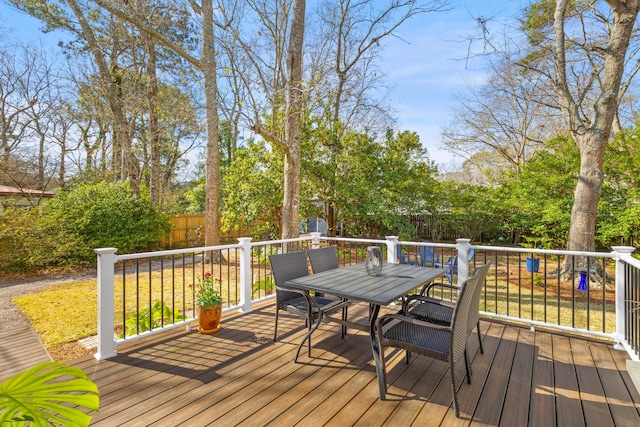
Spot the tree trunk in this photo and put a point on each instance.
(154, 140)
(291, 205)
(591, 135)
(212, 159)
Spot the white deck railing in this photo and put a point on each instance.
(539, 299)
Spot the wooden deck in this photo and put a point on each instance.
(239, 376)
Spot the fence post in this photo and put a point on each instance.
(315, 239)
(618, 253)
(106, 302)
(392, 242)
(462, 246)
(245, 274)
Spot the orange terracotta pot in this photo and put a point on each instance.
(209, 319)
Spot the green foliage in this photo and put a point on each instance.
(619, 207)
(468, 209)
(43, 395)
(262, 253)
(150, 318)
(263, 287)
(372, 183)
(66, 229)
(538, 17)
(538, 201)
(253, 190)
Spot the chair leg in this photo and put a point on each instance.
(456, 407)
(480, 338)
(467, 366)
(275, 329)
(408, 357)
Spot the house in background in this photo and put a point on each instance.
(22, 197)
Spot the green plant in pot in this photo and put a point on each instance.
(45, 395)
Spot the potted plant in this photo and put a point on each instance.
(209, 303)
(48, 394)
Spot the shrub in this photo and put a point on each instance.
(66, 229)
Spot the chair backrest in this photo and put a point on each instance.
(285, 267)
(427, 254)
(323, 259)
(402, 259)
(463, 310)
(472, 252)
(480, 274)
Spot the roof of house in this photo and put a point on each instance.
(8, 191)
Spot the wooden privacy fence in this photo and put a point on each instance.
(187, 231)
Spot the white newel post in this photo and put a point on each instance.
(618, 253)
(245, 274)
(463, 246)
(315, 239)
(106, 302)
(392, 243)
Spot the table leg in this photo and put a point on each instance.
(374, 311)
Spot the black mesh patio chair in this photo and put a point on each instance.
(428, 308)
(290, 266)
(442, 342)
(323, 259)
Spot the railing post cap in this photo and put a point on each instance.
(463, 240)
(103, 251)
(392, 238)
(244, 239)
(623, 249)
(315, 234)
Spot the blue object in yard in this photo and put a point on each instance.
(582, 286)
(533, 264)
(427, 255)
(402, 258)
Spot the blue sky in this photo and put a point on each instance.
(429, 66)
(424, 69)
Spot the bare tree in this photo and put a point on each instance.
(509, 118)
(28, 103)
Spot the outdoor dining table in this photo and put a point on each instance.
(353, 283)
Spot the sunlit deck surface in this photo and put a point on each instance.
(239, 376)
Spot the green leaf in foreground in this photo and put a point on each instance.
(38, 395)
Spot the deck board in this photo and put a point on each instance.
(240, 376)
(519, 382)
(569, 408)
(20, 349)
(542, 404)
(594, 405)
(495, 388)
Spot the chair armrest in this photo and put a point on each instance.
(423, 298)
(426, 288)
(398, 317)
(294, 290)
